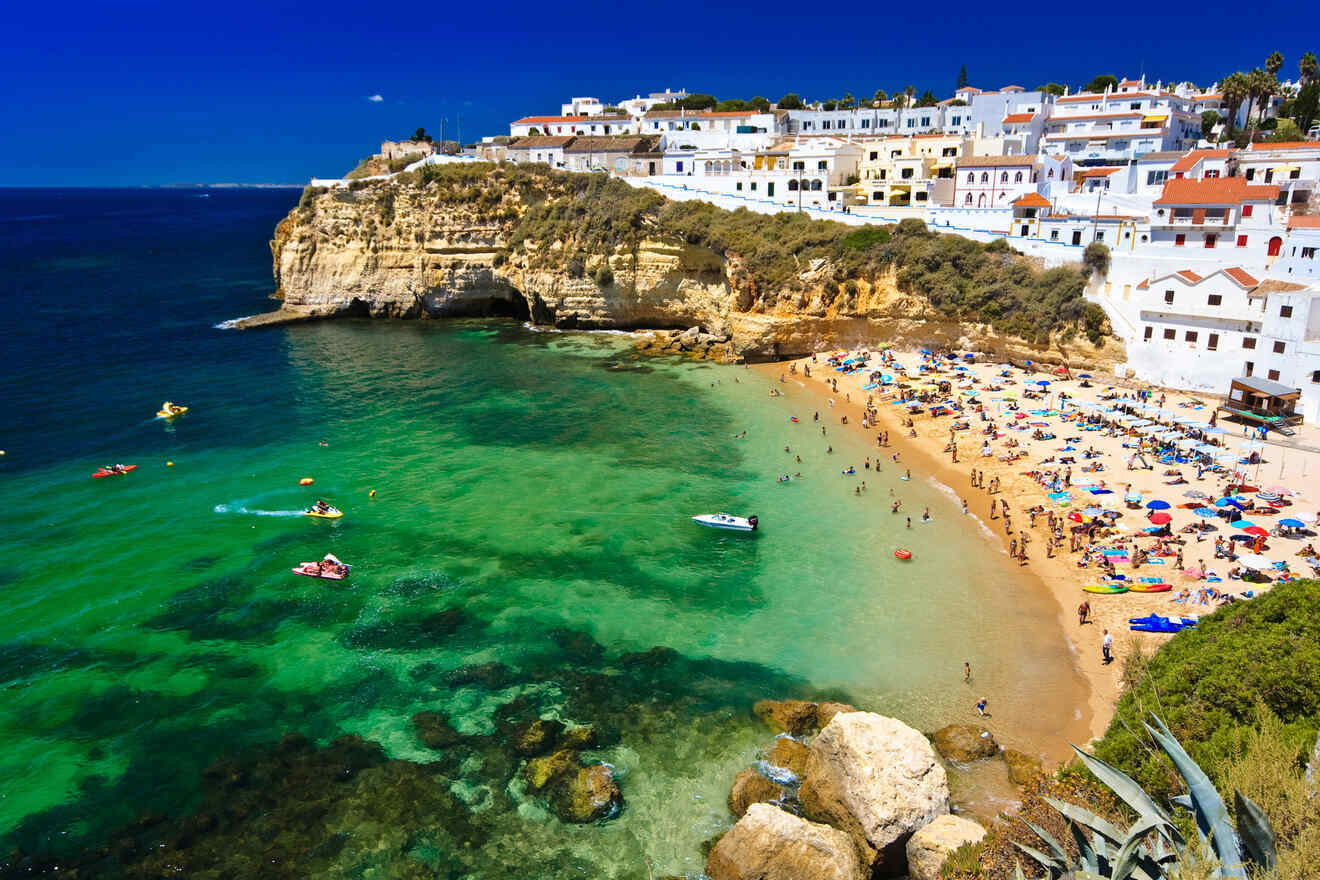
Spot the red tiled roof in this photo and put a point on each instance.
(1019, 117)
(1303, 221)
(1286, 145)
(1031, 200)
(1189, 275)
(1214, 191)
(1144, 285)
(1188, 162)
(1098, 172)
(1095, 136)
(533, 120)
(1130, 82)
(1241, 277)
(698, 114)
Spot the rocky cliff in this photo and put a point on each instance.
(542, 246)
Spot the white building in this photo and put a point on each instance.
(1217, 213)
(582, 107)
(571, 125)
(707, 129)
(1120, 124)
(995, 181)
(538, 148)
(1294, 167)
(1297, 257)
(638, 106)
(813, 172)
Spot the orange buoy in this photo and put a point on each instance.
(306, 481)
(902, 554)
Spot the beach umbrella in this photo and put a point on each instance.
(1280, 490)
(1292, 523)
(1042, 382)
(1207, 448)
(1256, 530)
(1186, 443)
(923, 351)
(1308, 517)
(1083, 375)
(1243, 524)
(1093, 511)
(1214, 430)
(1134, 497)
(1206, 512)
(1226, 456)
(1267, 496)
(1251, 445)
(1160, 519)
(1195, 493)
(1157, 505)
(1253, 560)
(1228, 502)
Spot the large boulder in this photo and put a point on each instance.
(795, 717)
(750, 787)
(434, 730)
(965, 743)
(928, 847)
(1022, 768)
(540, 772)
(877, 779)
(826, 711)
(536, 738)
(769, 844)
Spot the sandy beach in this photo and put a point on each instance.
(1035, 430)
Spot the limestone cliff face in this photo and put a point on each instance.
(412, 251)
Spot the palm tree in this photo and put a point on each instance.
(1274, 63)
(1261, 86)
(910, 91)
(900, 101)
(847, 102)
(1308, 67)
(1234, 88)
(879, 98)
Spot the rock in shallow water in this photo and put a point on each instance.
(540, 772)
(587, 795)
(750, 787)
(434, 730)
(1022, 768)
(930, 846)
(788, 754)
(877, 779)
(537, 738)
(965, 743)
(769, 844)
(796, 717)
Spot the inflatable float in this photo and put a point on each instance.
(1154, 623)
(169, 410)
(1106, 589)
(329, 568)
(306, 481)
(902, 554)
(1150, 588)
(116, 471)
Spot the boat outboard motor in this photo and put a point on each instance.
(753, 520)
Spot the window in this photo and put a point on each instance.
(1248, 342)
(1100, 236)
(1308, 253)
(1210, 240)
(912, 123)
(1180, 239)
(825, 123)
(1273, 375)
(1054, 235)
(906, 173)
(1168, 297)
(874, 155)
(925, 122)
(1003, 177)
(1315, 378)
(1248, 368)
(985, 177)
(823, 165)
(1246, 209)
(957, 120)
(1170, 333)
(738, 186)
(1146, 337)
(1285, 311)
(1214, 299)
(968, 200)
(1017, 178)
(1190, 336)
(753, 186)
(679, 165)
(1279, 347)
(1212, 342)
(1156, 178)
(1251, 175)
(1241, 241)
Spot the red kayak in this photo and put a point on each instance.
(329, 568)
(119, 472)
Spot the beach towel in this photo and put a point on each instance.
(1155, 560)
(1101, 491)
(1156, 580)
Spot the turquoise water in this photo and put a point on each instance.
(527, 548)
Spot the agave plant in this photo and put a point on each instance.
(1153, 845)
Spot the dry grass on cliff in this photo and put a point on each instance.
(779, 255)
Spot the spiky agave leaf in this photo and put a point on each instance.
(1130, 855)
(1255, 830)
(1059, 852)
(1211, 814)
(1083, 816)
(1087, 858)
(1049, 863)
(1128, 791)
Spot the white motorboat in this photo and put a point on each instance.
(726, 521)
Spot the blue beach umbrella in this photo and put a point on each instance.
(1157, 505)
(923, 351)
(1042, 382)
(1093, 511)
(1292, 523)
(1228, 502)
(1206, 512)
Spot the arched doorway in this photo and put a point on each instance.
(1276, 245)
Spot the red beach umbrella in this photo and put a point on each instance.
(1256, 530)
(1160, 518)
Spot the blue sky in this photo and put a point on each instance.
(143, 93)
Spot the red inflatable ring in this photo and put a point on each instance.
(902, 554)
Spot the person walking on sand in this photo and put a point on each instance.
(967, 672)
(980, 706)
(1106, 648)
(1083, 612)
(964, 506)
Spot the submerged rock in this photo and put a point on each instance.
(434, 730)
(586, 795)
(965, 743)
(769, 844)
(826, 711)
(537, 738)
(930, 846)
(540, 772)
(877, 779)
(1022, 768)
(578, 738)
(750, 787)
(796, 717)
(788, 754)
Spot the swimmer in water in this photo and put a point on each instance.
(925, 516)
(829, 448)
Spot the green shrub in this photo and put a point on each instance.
(604, 275)
(1207, 681)
(1096, 258)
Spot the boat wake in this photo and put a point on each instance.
(233, 508)
(231, 324)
